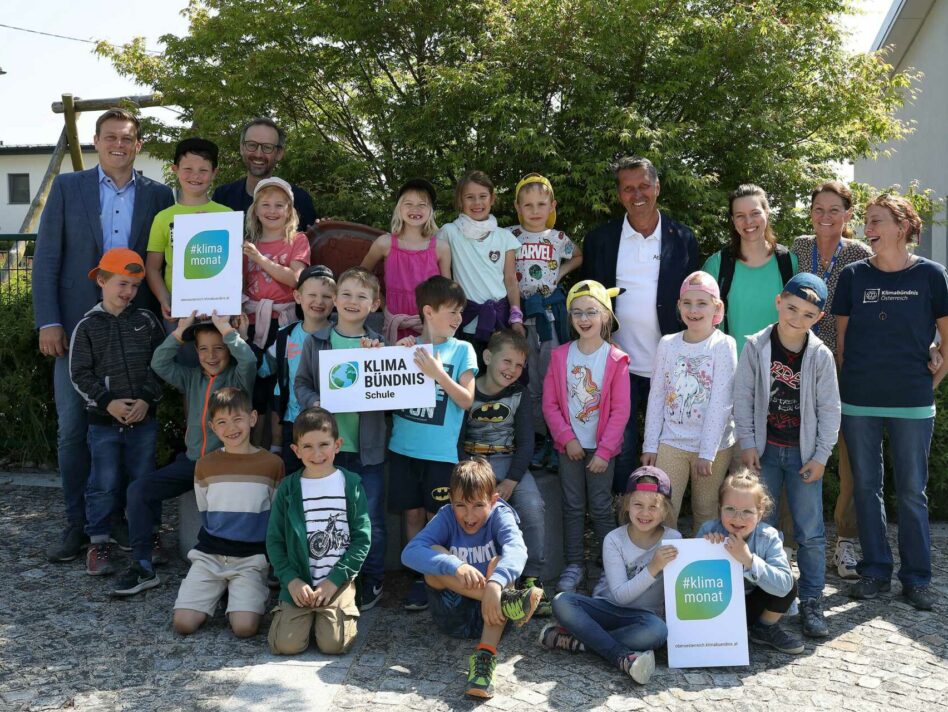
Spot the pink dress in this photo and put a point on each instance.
(405, 270)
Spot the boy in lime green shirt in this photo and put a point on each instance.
(195, 165)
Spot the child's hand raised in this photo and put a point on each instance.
(241, 322)
(406, 341)
(183, 323)
(368, 343)
(737, 548)
(222, 323)
(661, 558)
(469, 577)
(251, 251)
(714, 537)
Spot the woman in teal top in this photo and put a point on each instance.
(756, 281)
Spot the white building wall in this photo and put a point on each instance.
(11, 215)
(924, 155)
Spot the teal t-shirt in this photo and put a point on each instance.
(432, 433)
(348, 422)
(751, 300)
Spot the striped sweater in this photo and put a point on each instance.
(233, 494)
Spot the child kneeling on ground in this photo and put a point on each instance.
(233, 487)
(317, 539)
(471, 553)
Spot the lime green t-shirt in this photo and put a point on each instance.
(751, 300)
(348, 422)
(162, 229)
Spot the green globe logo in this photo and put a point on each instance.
(343, 375)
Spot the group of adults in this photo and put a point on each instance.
(888, 304)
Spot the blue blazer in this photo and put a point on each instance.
(69, 244)
(679, 258)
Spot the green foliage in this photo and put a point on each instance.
(716, 93)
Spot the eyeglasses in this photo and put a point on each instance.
(252, 146)
(579, 315)
(735, 513)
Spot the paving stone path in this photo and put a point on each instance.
(64, 644)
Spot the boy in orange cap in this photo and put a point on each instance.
(109, 364)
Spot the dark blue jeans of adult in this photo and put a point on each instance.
(71, 443)
(373, 482)
(628, 459)
(909, 443)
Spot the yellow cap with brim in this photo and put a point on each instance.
(592, 288)
(537, 178)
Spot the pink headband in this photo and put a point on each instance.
(703, 282)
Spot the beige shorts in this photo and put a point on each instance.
(243, 577)
(334, 625)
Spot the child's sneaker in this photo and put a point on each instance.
(135, 579)
(370, 593)
(556, 637)
(638, 666)
(776, 637)
(570, 579)
(73, 541)
(519, 605)
(814, 621)
(417, 598)
(544, 607)
(845, 559)
(480, 679)
(99, 559)
(159, 557)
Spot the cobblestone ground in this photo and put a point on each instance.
(65, 645)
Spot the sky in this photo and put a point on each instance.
(39, 69)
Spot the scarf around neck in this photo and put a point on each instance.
(475, 229)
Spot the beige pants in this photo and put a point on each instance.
(679, 466)
(845, 513)
(334, 625)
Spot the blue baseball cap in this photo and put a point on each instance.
(807, 286)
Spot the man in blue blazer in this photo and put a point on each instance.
(87, 213)
(649, 255)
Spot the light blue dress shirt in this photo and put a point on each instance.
(116, 206)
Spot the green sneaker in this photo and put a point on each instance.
(545, 606)
(480, 679)
(519, 605)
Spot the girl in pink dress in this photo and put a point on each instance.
(411, 254)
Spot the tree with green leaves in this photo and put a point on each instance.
(714, 92)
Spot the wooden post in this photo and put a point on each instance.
(36, 207)
(143, 101)
(72, 132)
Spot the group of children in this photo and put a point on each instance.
(314, 507)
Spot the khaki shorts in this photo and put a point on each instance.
(243, 577)
(334, 625)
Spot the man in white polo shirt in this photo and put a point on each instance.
(649, 255)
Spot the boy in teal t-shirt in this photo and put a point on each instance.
(195, 165)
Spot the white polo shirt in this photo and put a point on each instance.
(637, 272)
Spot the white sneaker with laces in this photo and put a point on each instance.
(845, 559)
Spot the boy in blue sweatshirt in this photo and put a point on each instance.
(470, 554)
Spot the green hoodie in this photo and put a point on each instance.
(287, 547)
(197, 386)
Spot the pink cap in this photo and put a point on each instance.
(703, 282)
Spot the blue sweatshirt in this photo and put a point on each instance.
(500, 535)
(769, 569)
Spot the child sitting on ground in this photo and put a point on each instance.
(471, 553)
(317, 539)
(233, 487)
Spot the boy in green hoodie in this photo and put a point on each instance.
(317, 538)
(224, 360)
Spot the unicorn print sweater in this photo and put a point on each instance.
(691, 398)
(607, 401)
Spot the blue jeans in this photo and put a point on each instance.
(609, 630)
(145, 496)
(71, 443)
(455, 615)
(779, 468)
(373, 482)
(628, 459)
(909, 440)
(528, 503)
(120, 455)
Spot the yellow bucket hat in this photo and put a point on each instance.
(592, 288)
(537, 178)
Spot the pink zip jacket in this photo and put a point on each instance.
(613, 413)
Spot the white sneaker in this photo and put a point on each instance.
(845, 559)
(570, 579)
(639, 666)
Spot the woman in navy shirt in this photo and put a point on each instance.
(887, 309)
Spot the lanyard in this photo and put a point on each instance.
(814, 265)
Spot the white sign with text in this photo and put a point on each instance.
(386, 378)
(207, 264)
(704, 606)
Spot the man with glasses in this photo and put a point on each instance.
(261, 147)
(649, 255)
(87, 214)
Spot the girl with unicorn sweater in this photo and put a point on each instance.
(586, 406)
(689, 430)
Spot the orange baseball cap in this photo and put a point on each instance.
(120, 260)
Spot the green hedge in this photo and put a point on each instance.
(28, 414)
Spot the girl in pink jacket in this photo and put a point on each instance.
(586, 407)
